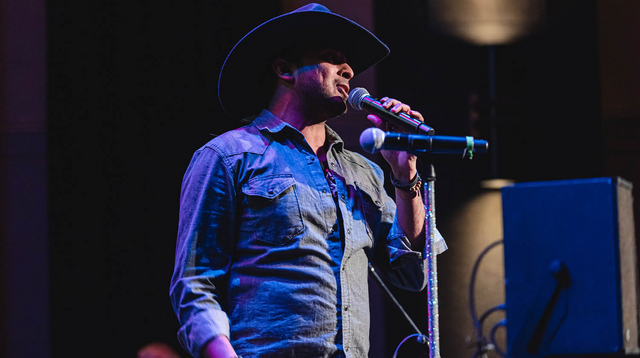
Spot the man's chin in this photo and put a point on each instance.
(338, 108)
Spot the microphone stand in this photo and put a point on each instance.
(429, 179)
(428, 174)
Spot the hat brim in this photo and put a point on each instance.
(241, 76)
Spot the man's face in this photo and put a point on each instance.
(323, 80)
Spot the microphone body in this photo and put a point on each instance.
(360, 99)
(373, 140)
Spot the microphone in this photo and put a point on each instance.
(360, 99)
(372, 140)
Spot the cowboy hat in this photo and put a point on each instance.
(246, 67)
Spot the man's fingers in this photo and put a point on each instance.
(379, 123)
(388, 102)
(395, 106)
(400, 107)
(416, 115)
(375, 120)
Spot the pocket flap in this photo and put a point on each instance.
(377, 198)
(269, 186)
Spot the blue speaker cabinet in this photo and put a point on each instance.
(570, 268)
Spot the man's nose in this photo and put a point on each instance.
(346, 71)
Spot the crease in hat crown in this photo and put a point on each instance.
(243, 68)
(312, 7)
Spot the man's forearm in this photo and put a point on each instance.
(411, 216)
(219, 347)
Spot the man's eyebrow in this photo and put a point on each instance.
(337, 54)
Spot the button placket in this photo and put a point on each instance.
(346, 317)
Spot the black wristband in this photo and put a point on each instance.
(414, 185)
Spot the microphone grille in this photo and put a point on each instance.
(356, 96)
(372, 140)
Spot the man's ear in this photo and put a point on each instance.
(283, 69)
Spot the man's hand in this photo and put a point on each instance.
(219, 347)
(403, 164)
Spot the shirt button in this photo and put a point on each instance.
(270, 191)
(342, 196)
(349, 231)
(333, 164)
(346, 308)
(324, 191)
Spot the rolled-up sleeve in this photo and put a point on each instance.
(399, 245)
(203, 251)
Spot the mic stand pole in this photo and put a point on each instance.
(429, 178)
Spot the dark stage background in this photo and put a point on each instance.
(131, 94)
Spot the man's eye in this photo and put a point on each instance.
(328, 57)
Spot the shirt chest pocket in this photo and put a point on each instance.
(371, 205)
(272, 211)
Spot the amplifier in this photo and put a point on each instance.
(570, 268)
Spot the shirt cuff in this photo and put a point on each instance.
(201, 329)
(400, 250)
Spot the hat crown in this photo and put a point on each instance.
(312, 7)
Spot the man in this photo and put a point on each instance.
(277, 218)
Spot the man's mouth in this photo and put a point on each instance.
(343, 88)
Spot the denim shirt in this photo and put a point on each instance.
(268, 258)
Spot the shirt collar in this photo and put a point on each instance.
(270, 122)
(333, 139)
